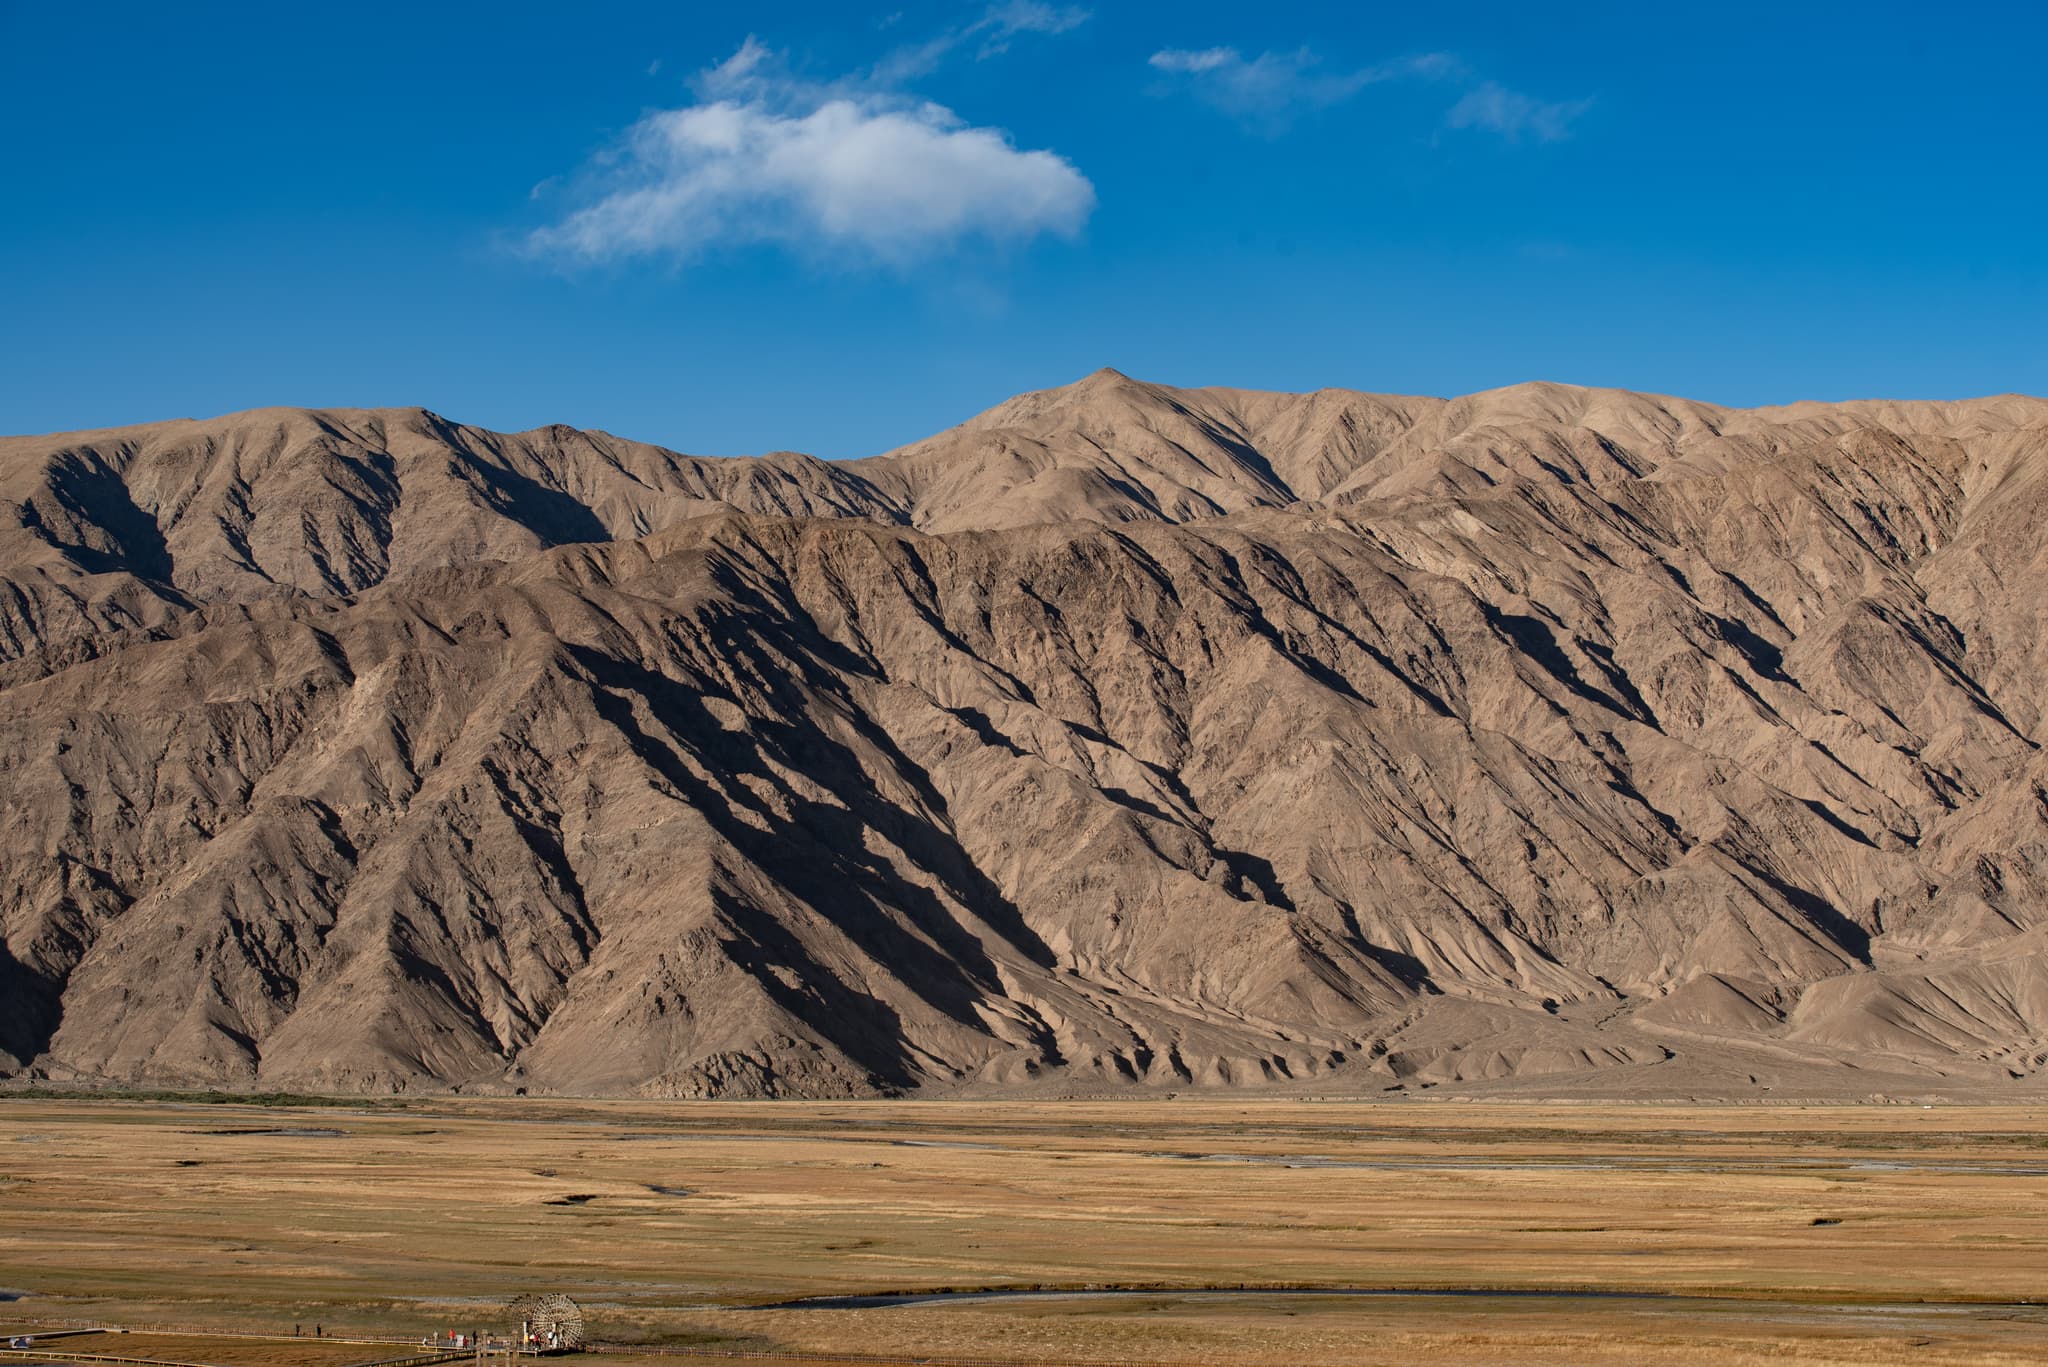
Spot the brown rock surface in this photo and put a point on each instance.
(1123, 736)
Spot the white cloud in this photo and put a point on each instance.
(841, 168)
(1273, 86)
(1513, 114)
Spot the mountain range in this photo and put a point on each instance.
(1124, 738)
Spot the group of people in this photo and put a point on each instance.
(549, 1340)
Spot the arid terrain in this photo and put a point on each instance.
(1704, 1234)
(1546, 742)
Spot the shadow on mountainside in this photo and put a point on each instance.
(818, 854)
(31, 1007)
(1535, 639)
(98, 497)
(553, 516)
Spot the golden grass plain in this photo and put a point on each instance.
(1807, 1234)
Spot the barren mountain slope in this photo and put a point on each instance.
(1124, 735)
(125, 526)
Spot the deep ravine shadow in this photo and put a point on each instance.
(1818, 912)
(1534, 638)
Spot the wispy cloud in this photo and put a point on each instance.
(1514, 115)
(843, 168)
(992, 33)
(1273, 87)
(1001, 23)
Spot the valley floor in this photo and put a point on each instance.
(1742, 1233)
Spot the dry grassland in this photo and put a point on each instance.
(219, 1350)
(1809, 1229)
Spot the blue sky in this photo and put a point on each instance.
(835, 229)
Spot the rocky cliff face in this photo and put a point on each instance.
(1123, 736)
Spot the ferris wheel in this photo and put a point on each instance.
(549, 1323)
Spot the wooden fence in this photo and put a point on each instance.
(61, 1354)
